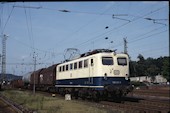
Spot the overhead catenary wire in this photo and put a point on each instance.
(26, 63)
(71, 11)
(86, 12)
(32, 36)
(155, 21)
(30, 33)
(68, 11)
(137, 37)
(97, 37)
(129, 21)
(26, 45)
(133, 20)
(33, 7)
(150, 51)
(84, 25)
(148, 36)
(1, 18)
(3, 28)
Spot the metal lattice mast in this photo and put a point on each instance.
(34, 58)
(4, 38)
(125, 46)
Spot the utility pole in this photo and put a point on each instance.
(4, 38)
(125, 45)
(1, 73)
(34, 58)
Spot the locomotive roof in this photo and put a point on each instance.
(96, 51)
(93, 52)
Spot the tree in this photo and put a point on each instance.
(141, 67)
(150, 67)
(153, 70)
(132, 66)
(166, 68)
(141, 58)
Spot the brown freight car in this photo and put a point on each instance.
(35, 75)
(48, 78)
(17, 83)
(45, 79)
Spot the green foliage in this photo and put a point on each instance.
(46, 104)
(166, 68)
(139, 66)
(150, 67)
(152, 70)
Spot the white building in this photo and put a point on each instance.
(158, 79)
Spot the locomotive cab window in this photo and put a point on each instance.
(122, 61)
(71, 66)
(75, 65)
(63, 68)
(66, 67)
(107, 60)
(60, 69)
(92, 63)
(86, 63)
(80, 64)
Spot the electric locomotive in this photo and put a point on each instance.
(97, 74)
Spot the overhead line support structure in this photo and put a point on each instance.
(125, 46)
(3, 71)
(34, 58)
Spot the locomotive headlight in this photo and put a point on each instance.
(116, 72)
(126, 78)
(105, 76)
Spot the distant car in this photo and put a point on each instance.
(141, 85)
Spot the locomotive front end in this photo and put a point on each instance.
(115, 70)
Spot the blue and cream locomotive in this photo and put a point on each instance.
(100, 73)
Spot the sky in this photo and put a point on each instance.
(48, 29)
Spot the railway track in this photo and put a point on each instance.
(134, 104)
(12, 106)
(140, 106)
(135, 107)
(4, 108)
(129, 104)
(152, 92)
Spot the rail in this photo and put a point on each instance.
(16, 107)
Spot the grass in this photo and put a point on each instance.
(46, 104)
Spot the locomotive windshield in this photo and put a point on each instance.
(122, 61)
(107, 60)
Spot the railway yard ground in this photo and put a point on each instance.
(155, 99)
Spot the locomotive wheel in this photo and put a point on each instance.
(62, 92)
(105, 95)
(76, 95)
(83, 94)
(95, 96)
